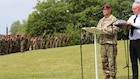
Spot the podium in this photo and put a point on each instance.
(96, 31)
(123, 25)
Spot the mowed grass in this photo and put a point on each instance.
(59, 63)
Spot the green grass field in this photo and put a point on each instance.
(58, 63)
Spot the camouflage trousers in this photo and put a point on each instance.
(108, 55)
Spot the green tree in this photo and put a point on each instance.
(15, 27)
(22, 28)
(49, 15)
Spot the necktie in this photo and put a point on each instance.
(132, 27)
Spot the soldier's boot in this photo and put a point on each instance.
(112, 77)
(107, 77)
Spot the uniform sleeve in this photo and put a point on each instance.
(99, 26)
(99, 23)
(112, 29)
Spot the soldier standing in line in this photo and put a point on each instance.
(60, 40)
(31, 43)
(108, 42)
(17, 43)
(22, 44)
(64, 40)
(43, 40)
(2, 45)
(55, 41)
(39, 42)
(82, 37)
(35, 44)
(6, 45)
(67, 39)
(92, 38)
(27, 38)
(87, 37)
(11, 44)
(14, 44)
(51, 41)
(48, 42)
(43, 43)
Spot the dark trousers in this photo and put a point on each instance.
(135, 55)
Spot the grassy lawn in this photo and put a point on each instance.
(59, 63)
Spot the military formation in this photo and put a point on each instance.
(21, 43)
(86, 37)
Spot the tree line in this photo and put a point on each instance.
(69, 16)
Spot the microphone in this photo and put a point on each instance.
(125, 12)
(111, 24)
(96, 13)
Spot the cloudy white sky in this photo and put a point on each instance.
(13, 10)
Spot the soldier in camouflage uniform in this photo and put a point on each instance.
(2, 50)
(108, 42)
(6, 45)
(31, 43)
(22, 44)
(17, 43)
(67, 39)
(43, 40)
(60, 40)
(55, 41)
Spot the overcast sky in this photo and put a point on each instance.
(13, 10)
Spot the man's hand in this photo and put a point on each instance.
(128, 23)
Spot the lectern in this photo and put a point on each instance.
(96, 31)
(123, 25)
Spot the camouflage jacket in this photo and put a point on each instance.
(106, 24)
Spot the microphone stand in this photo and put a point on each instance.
(96, 13)
(126, 14)
(81, 42)
(127, 55)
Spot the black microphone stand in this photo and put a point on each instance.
(81, 42)
(126, 44)
(81, 59)
(96, 13)
(127, 53)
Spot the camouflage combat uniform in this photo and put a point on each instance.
(22, 44)
(108, 43)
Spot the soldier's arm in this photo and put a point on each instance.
(112, 29)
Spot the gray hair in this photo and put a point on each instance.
(137, 2)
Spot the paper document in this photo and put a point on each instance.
(122, 24)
